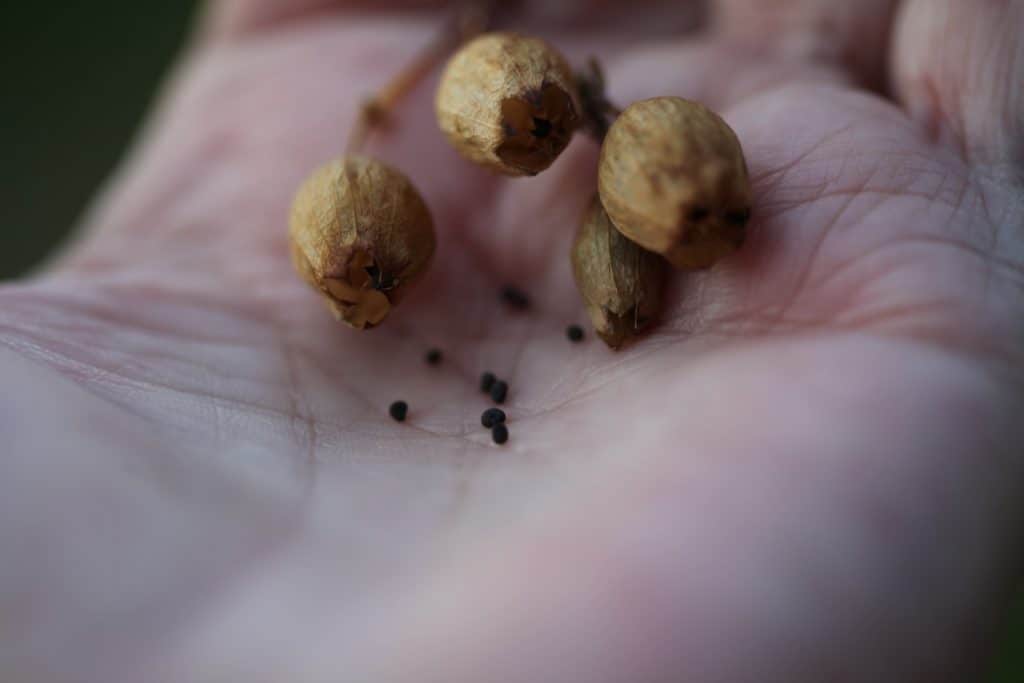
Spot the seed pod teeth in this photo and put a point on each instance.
(355, 298)
(509, 103)
(361, 235)
(621, 283)
(673, 179)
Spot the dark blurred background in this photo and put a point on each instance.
(77, 79)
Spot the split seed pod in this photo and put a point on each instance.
(621, 283)
(673, 179)
(509, 103)
(361, 235)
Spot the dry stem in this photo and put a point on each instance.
(468, 21)
(598, 110)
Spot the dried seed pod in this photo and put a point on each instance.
(361, 235)
(621, 283)
(509, 103)
(673, 179)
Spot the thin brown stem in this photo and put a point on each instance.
(598, 111)
(468, 21)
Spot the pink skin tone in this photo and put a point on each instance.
(812, 470)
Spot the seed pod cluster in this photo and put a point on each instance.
(509, 103)
(361, 235)
(621, 283)
(673, 179)
(673, 187)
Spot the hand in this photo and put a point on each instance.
(811, 471)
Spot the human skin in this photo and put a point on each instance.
(811, 471)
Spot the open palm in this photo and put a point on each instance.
(809, 471)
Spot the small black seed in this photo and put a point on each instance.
(515, 298)
(434, 357)
(492, 416)
(500, 434)
(574, 333)
(487, 381)
(499, 392)
(398, 411)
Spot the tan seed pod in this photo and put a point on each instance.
(621, 283)
(673, 179)
(509, 103)
(361, 235)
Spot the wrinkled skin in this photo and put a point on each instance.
(811, 472)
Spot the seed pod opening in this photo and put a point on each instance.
(673, 179)
(509, 103)
(361, 235)
(621, 283)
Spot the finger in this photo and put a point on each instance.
(958, 67)
(853, 34)
(233, 18)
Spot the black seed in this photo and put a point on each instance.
(434, 357)
(541, 128)
(487, 381)
(500, 434)
(697, 214)
(574, 333)
(499, 392)
(492, 416)
(398, 411)
(515, 298)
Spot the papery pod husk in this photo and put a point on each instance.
(621, 283)
(673, 179)
(509, 103)
(361, 235)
